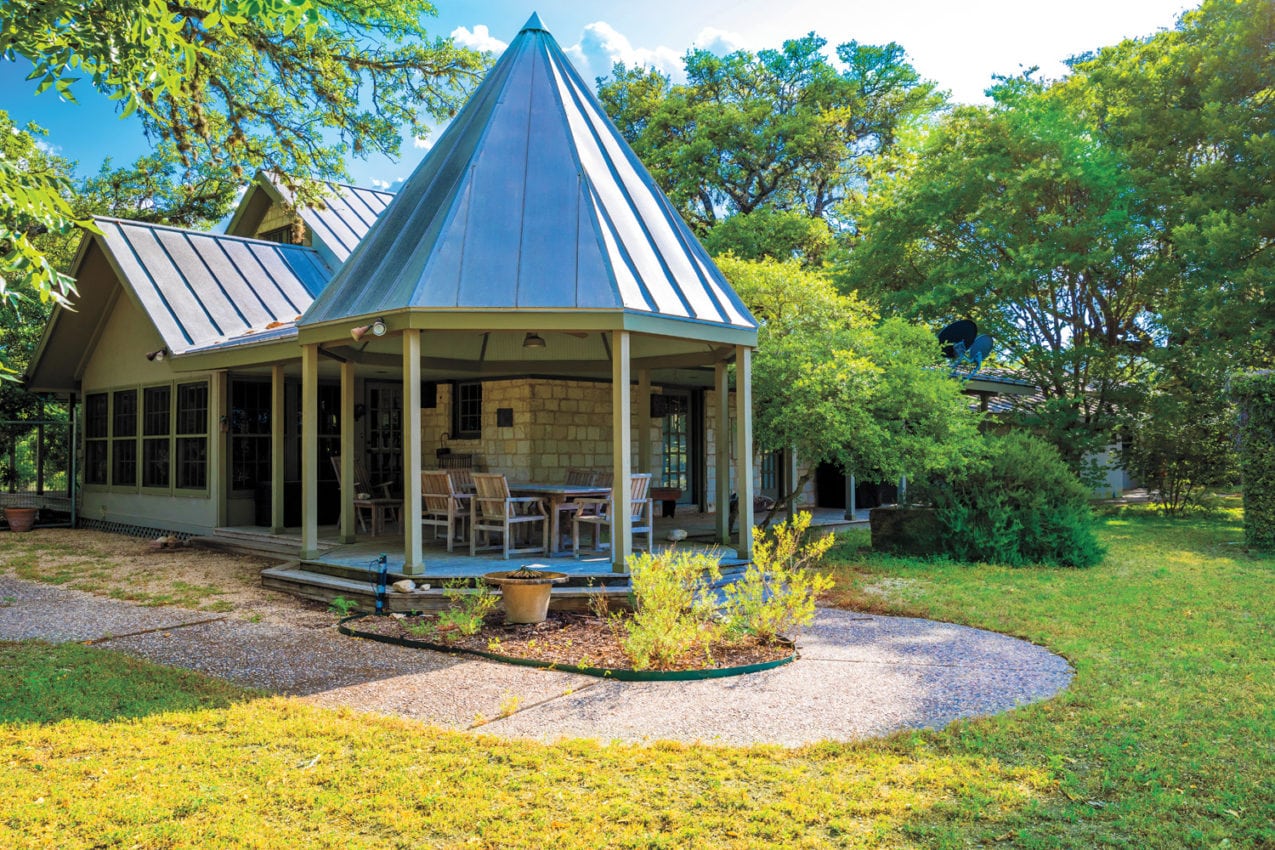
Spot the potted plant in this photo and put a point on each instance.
(525, 592)
(20, 519)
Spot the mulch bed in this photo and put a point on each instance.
(565, 638)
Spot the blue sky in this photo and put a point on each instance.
(960, 45)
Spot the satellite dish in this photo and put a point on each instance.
(972, 359)
(957, 338)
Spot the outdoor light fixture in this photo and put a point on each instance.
(158, 355)
(377, 328)
(533, 340)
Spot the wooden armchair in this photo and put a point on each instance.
(641, 515)
(494, 511)
(442, 506)
(371, 512)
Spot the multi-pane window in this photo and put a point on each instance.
(676, 439)
(250, 406)
(124, 439)
(191, 439)
(156, 435)
(97, 425)
(467, 410)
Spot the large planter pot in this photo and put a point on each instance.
(20, 519)
(525, 593)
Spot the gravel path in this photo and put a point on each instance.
(859, 675)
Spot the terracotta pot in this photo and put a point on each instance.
(20, 519)
(525, 593)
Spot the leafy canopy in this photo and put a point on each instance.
(295, 86)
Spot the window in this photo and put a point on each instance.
(156, 431)
(192, 436)
(467, 410)
(279, 234)
(97, 425)
(124, 439)
(249, 434)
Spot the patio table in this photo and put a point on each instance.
(556, 495)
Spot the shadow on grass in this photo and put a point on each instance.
(47, 683)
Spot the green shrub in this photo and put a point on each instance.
(1017, 503)
(468, 605)
(777, 594)
(674, 608)
(1256, 393)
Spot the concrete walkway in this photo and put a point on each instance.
(859, 675)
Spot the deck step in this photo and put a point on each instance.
(322, 587)
(262, 543)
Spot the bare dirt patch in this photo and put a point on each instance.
(122, 567)
(563, 638)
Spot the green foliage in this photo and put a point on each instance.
(1183, 440)
(342, 607)
(768, 233)
(1018, 503)
(1256, 393)
(784, 129)
(776, 597)
(674, 612)
(469, 603)
(842, 387)
(234, 86)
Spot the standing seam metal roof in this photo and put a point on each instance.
(200, 289)
(531, 199)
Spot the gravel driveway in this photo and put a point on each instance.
(859, 675)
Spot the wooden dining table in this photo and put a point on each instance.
(557, 495)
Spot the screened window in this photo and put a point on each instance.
(249, 434)
(156, 435)
(191, 440)
(97, 424)
(467, 410)
(124, 439)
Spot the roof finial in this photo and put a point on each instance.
(533, 23)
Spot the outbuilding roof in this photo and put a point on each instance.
(531, 201)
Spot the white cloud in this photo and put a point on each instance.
(422, 143)
(718, 41)
(479, 38)
(387, 185)
(601, 46)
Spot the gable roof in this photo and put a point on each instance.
(348, 213)
(531, 201)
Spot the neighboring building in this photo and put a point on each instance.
(528, 266)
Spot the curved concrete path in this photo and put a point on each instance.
(858, 676)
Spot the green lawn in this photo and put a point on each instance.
(1164, 739)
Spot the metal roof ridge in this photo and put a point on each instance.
(210, 233)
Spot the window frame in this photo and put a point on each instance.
(459, 417)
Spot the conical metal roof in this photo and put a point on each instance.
(532, 201)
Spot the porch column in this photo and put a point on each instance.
(644, 424)
(309, 450)
(744, 446)
(722, 452)
(218, 439)
(278, 416)
(790, 480)
(347, 451)
(850, 505)
(413, 563)
(621, 449)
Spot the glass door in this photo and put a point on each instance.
(385, 433)
(682, 450)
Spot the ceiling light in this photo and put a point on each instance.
(533, 340)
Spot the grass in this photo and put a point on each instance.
(1164, 739)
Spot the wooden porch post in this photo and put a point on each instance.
(722, 453)
(347, 451)
(744, 446)
(413, 563)
(790, 480)
(278, 416)
(309, 450)
(644, 425)
(621, 448)
(218, 444)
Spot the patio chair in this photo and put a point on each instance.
(442, 506)
(598, 514)
(462, 480)
(494, 511)
(568, 510)
(372, 511)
